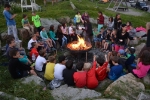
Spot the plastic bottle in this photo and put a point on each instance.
(33, 57)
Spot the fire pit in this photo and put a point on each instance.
(79, 46)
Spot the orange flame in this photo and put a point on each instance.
(81, 44)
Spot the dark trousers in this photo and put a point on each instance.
(130, 69)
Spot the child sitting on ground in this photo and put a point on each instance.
(16, 68)
(111, 54)
(40, 62)
(131, 57)
(59, 67)
(98, 38)
(115, 71)
(49, 71)
(68, 73)
(34, 50)
(26, 24)
(122, 58)
(58, 73)
(80, 76)
(91, 80)
(101, 71)
(142, 67)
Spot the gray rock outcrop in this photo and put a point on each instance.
(138, 48)
(47, 22)
(139, 34)
(69, 93)
(126, 87)
(64, 19)
(37, 80)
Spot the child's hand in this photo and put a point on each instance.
(108, 69)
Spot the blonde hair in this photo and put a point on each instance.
(87, 66)
(148, 25)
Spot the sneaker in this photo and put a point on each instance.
(19, 41)
(53, 49)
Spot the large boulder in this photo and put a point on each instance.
(126, 87)
(69, 93)
(47, 22)
(64, 19)
(5, 96)
(133, 42)
(93, 21)
(23, 33)
(139, 34)
(4, 35)
(138, 48)
(37, 80)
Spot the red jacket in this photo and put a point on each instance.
(34, 51)
(101, 72)
(101, 19)
(91, 79)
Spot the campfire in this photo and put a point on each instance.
(80, 45)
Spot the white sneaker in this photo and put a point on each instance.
(19, 40)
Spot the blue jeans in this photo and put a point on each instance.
(64, 41)
(96, 39)
(12, 30)
(99, 27)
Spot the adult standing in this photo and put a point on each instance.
(100, 20)
(85, 17)
(11, 24)
(147, 46)
(89, 31)
(117, 22)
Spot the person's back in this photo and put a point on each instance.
(40, 62)
(80, 76)
(116, 71)
(91, 80)
(59, 67)
(101, 71)
(68, 73)
(49, 71)
(142, 70)
(58, 70)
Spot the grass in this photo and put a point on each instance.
(31, 91)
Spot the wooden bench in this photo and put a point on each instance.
(122, 8)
